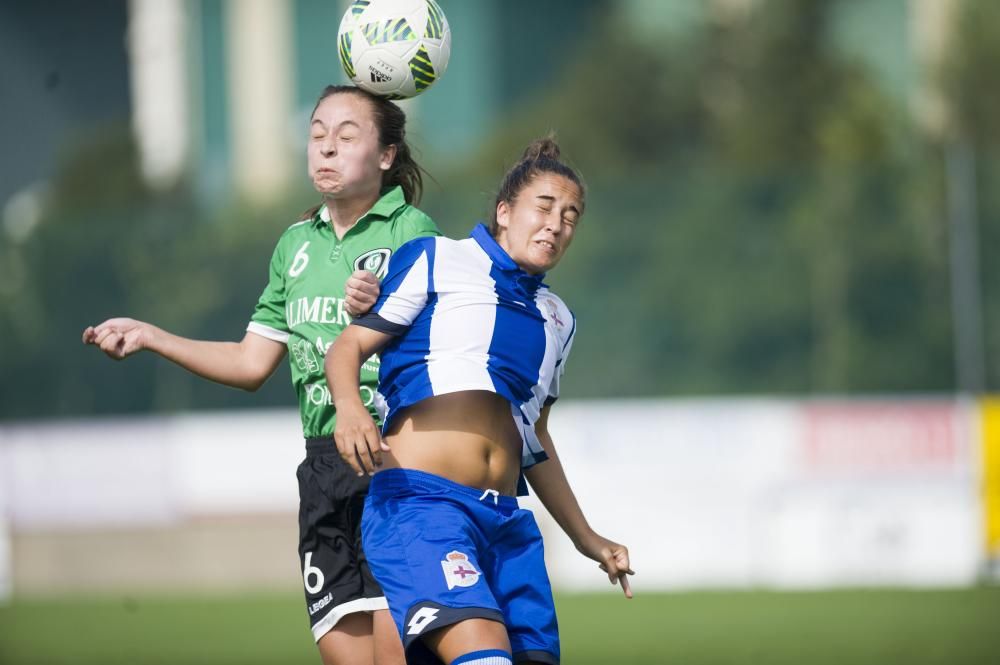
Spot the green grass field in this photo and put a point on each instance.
(883, 627)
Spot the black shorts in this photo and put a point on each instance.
(335, 572)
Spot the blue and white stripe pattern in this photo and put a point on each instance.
(467, 317)
(484, 657)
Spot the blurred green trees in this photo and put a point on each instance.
(105, 247)
(762, 218)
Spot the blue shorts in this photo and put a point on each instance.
(443, 552)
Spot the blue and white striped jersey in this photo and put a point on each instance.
(466, 317)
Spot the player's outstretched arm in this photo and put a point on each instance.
(549, 481)
(245, 364)
(357, 436)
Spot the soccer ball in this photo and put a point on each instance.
(394, 48)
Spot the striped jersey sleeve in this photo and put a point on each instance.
(405, 289)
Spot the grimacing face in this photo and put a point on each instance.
(345, 159)
(537, 227)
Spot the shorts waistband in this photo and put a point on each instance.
(390, 480)
(321, 445)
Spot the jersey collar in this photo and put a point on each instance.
(502, 259)
(389, 202)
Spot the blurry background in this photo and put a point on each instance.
(787, 285)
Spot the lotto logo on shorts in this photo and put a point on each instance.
(458, 571)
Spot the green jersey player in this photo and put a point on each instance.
(323, 270)
(304, 306)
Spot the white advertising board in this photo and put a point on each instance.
(148, 471)
(773, 493)
(706, 493)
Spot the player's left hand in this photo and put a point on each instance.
(613, 559)
(361, 291)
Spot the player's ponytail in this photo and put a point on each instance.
(391, 123)
(405, 172)
(541, 156)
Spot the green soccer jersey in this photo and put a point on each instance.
(303, 303)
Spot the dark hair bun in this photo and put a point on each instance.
(545, 148)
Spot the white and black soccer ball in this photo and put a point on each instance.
(394, 48)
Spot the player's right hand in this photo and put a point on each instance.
(358, 440)
(118, 338)
(361, 292)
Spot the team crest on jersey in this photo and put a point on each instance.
(305, 357)
(458, 571)
(375, 261)
(553, 312)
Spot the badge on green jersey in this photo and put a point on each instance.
(375, 261)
